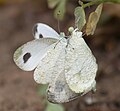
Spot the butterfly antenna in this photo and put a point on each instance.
(58, 21)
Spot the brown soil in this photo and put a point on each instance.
(18, 91)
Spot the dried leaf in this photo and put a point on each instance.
(93, 20)
(80, 19)
(91, 24)
(99, 10)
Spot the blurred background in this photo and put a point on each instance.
(18, 90)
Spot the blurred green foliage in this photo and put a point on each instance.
(59, 6)
(42, 90)
(80, 19)
(49, 106)
(54, 107)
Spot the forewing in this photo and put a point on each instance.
(51, 65)
(41, 30)
(80, 66)
(30, 54)
(59, 91)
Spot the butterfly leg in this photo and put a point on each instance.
(56, 43)
(68, 43)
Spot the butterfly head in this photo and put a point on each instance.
(71, 32)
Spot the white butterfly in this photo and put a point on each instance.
(66, 64)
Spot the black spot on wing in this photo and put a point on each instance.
(66, 37)
(26, 57)
(35, 29)
(40, 36)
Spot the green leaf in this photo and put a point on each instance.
(52, 3)
(93, 20)
(80, 19)
(54, 107)
(42, 90)
(60, 10)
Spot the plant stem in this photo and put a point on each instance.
(98, 2)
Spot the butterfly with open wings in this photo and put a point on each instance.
(67, 65)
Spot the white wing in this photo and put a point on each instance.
(59, 91)
(41, 30)
(80, 65)
(51, 70)
(51, 65)
(30, 54)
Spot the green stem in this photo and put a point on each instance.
(98, 2)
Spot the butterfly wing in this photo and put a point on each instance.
(51, 65)
(41, 30)
(80, 65)
(51, 70)
(59, 91)
(30, 54)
